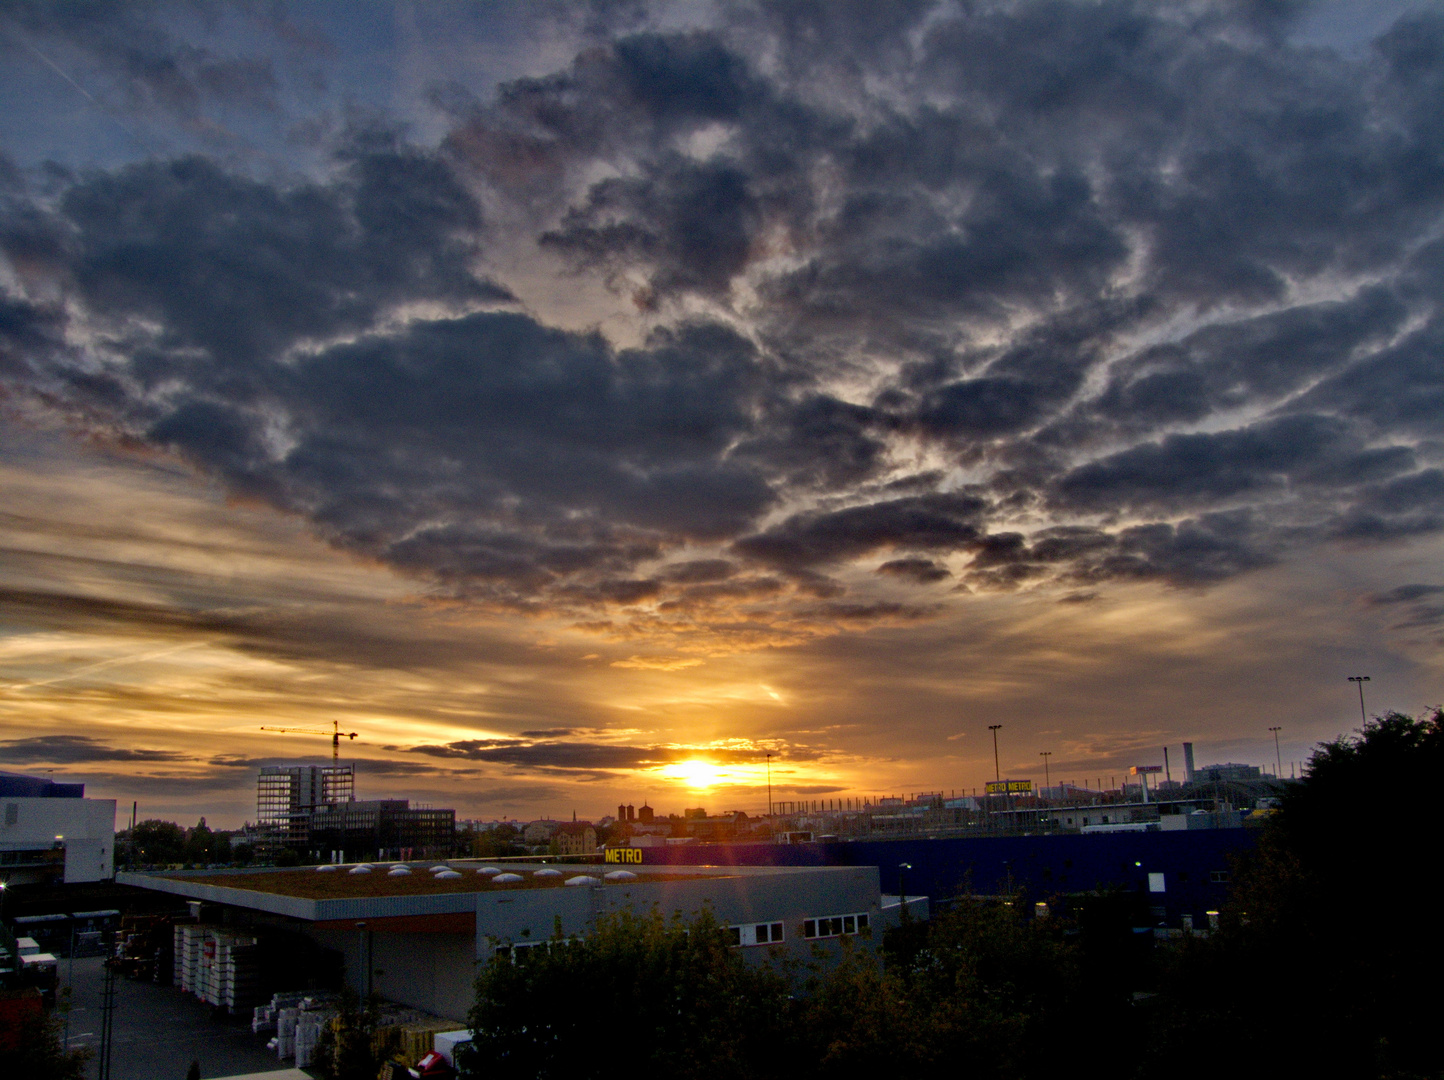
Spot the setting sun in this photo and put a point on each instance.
(694, 773)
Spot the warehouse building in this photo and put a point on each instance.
(415, 937)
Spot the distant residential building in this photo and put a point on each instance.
(728, 826)
(574, 838)
(539, 831)
(50, 832)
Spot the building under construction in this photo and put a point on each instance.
(312, 810)
(287, 795)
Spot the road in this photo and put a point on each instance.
(160, 1030)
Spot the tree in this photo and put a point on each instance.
(347, 1050)
(156, 841)
(199, 844)
(687, 1003)
(36, 1053)
(1012, 995)
(1009, 996)
(1322, 922)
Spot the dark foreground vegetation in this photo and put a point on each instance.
(1327, 963)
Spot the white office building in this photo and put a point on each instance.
(50, 832)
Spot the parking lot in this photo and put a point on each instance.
(159, 1030)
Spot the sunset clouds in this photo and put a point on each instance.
(682, 348)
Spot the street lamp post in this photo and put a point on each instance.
(1278, 758)
(902, 869)
(1361, 680)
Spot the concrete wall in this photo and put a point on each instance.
(431, 972)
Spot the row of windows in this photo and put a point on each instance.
(739, 936)
(834, 926)
(519, 951)
(755, 934)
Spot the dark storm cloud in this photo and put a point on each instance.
(1238, 364)
(587, 756)
(1420, 603)
(75, 749)
(1200, 470)
(922, 571)
(243, 270)
(1154, 284)
(924, 522)
(312, 633)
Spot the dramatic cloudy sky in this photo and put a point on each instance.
(561, 396)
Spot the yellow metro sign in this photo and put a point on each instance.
(1009, 787)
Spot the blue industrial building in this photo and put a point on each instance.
(1174, 874)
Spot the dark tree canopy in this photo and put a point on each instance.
(640, 993)
(1325, 924)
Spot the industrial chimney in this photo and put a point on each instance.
(1188, 762)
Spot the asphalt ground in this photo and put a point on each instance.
(160, 1030)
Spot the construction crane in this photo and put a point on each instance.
(336, 736)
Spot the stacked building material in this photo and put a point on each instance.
(209, 966)
(309, 1026)
(263, 1017)
(286, 1032)
(238, 974)
(298, 1020)
(189, 945)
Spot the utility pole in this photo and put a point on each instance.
(107, 1019)
(1278, 757)
(1361, 680)
(997, 772)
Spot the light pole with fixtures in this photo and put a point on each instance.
(1361, 680)
(769, 787)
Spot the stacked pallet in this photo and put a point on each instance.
(418, 1038)
(237, 974)
(298, 1020)
(263, 1017)
(189, 945)
(219, 966)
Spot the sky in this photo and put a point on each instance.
(589, 404)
